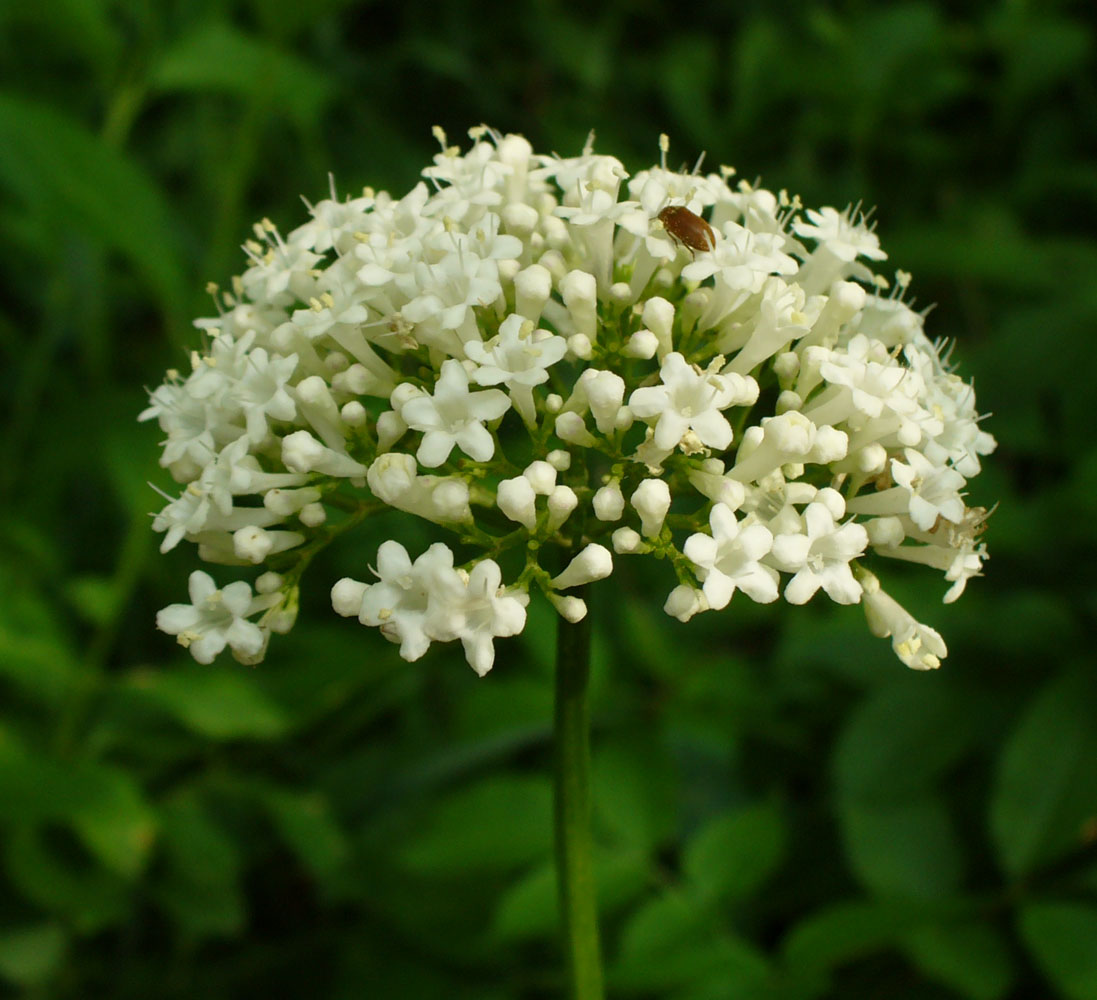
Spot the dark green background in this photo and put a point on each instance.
(783, 811)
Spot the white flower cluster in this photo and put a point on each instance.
(534, 354)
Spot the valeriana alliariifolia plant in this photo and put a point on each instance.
(728, 387)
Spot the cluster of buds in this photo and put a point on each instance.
(545, 355)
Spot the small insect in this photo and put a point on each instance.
(688, 229)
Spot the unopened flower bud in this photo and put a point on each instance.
(346, 597)
(517, 500)
(593, 563)
(609, 502)
(652, 501)
(561, 502)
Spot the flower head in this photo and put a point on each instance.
(748, 408)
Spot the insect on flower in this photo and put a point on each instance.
(687, 228)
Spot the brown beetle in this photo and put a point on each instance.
(688, 229)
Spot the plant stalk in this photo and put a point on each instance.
(574, 863)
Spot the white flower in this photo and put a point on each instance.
(917, 645)
(487, 611)
(413, 603)
(454, 416)
(215, 618)
(934, 491)
(844, 238)
(729, 559)
(519, 357)
(820, 557)
(691, 399)
(742, 260)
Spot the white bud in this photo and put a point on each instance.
(593, 563)
(885, 531)
(517, 500)
(285, 503)
(314, 391)
(621, 292)
(579, 290)
(390, 428)
(313, 515)
(336, 362)
(872, 459)
(909, 434)
(301, 452)
(658, 317)
(346, 597)
(642, 344)
(627, 541)
(532, 288)
(553, 260)
(684, 602)
(521, 220)
(559, 459)
(353, 414)
(609, 502)
(449, 501)
(786, 365)
(570, 428)
(403, 393)
(553, 402)
(268, 583)
(561, 502)
(580, 346)
(355, 380)
(831, 445)
(541, 476)
(652, 501)
(788, 400)
(605, 394)
(571, 609)
(252, 543)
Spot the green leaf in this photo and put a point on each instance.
(904, 850)
(1063, 939)
(735, 853)
(102, 804)
(30, 955)
(901, 738)
(218, 57)
(309, 829)
(89, 898)
(633, 792)
(66, 175)
(112, 818)
(971, 958)
(672, 942)
(94, 598)
(1046, 787)
(847, 931)
(200, 884)
(213, 702)
(497, 824)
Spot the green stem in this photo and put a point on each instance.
(574, 865)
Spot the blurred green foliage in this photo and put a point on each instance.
(783, 811)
